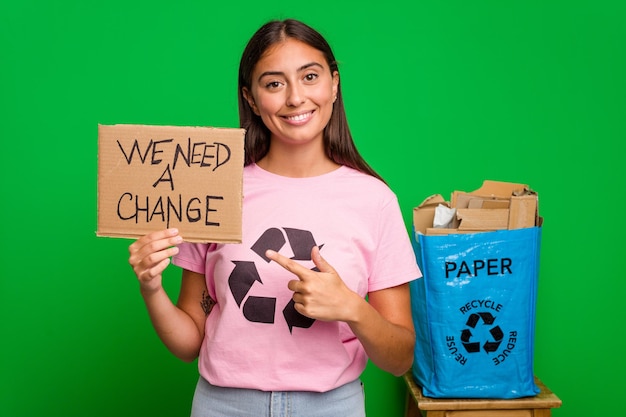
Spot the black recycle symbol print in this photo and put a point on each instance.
(496, 333)
(245, 274)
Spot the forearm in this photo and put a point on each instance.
(389, 346)
(176, 329)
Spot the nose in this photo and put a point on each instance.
(295, 95)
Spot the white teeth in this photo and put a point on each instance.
(299, 117)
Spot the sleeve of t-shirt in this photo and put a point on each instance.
(394, 263)
(192, 256)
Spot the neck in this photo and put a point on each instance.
(296, 162)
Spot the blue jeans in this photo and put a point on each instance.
(211, 401)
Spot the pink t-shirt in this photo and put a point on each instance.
(254, 337)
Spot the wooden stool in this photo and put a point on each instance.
(417, 405)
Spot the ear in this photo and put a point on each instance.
(248, 96)
(335, 85)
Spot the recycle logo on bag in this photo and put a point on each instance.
(490, 345)
(245, 274)
(481, 334)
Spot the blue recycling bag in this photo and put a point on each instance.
(474, 313)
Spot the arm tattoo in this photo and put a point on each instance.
(207, 302)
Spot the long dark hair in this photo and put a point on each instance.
(338, 141)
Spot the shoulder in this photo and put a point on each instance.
(366, 183)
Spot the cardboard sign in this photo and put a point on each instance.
(156, 177)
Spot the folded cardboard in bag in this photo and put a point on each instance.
(496, 205)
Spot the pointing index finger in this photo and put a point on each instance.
(285, 262)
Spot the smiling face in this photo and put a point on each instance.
(293, 91)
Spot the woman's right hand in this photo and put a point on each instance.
(150, 255)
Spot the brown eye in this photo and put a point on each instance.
(272, 85)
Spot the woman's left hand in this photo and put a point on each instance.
(319, 295)
(384, 326)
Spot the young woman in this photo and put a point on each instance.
(280, 323)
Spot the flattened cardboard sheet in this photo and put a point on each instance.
(156, 177)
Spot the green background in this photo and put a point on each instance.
(440, 96)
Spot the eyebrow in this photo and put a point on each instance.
(302, 68)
